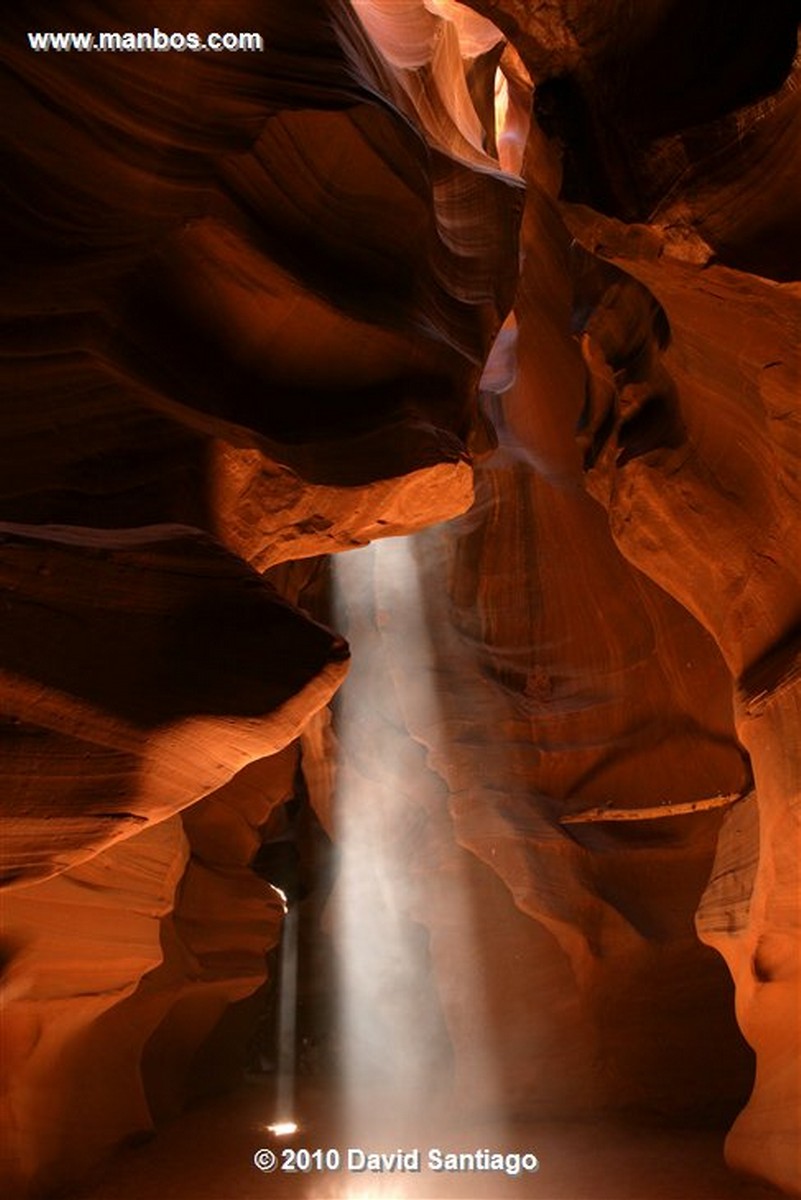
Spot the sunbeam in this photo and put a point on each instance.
(284, 1124)
(399, 864)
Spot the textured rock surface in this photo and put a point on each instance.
(319, 388)
(248, 307)
(608, 1001)
(690, 414)
(263, 307)
(725, 506)
(81, 944)
(143, 669)
(120, 968)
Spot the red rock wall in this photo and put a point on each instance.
(689, 418)
(241, 331)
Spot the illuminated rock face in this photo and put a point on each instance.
(121, 967)
(691, 444)
(249, 307)
(690, 441)
(251, 302)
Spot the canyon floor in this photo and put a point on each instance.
(208, 1155)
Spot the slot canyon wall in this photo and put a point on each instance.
(522, 277)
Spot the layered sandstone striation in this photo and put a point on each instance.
(413, 258)
(119, 970)
(248, 307)
(658, 375)
(724, 505)
(602, 998)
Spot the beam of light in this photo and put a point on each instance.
(410, 982)
(363, 1189)
(287, 1022)
(376, 1187)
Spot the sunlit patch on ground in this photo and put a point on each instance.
(282, 1129)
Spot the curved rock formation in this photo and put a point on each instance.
(247, 313)
(142, 672)
(120, 969)
(613, 1003)
(725, 505)
(303, 405)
